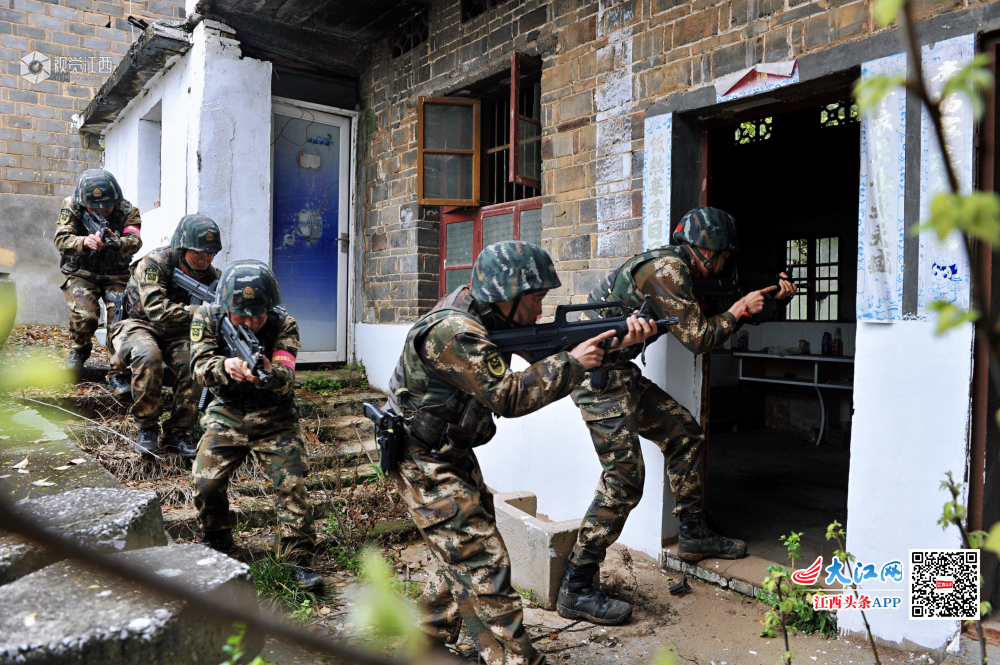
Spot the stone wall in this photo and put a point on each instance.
(40, 151)
(605, 63)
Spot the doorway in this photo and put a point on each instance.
(310, 227)
(780, 401)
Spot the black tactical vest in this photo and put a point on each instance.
(434, 412)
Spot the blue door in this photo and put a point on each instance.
(310, 198)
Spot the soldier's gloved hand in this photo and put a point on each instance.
(94, 242)
(589, 353)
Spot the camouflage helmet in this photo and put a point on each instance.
(97, 189)
(708, 228)
(199, 233)
(509, 269)
(248, 288)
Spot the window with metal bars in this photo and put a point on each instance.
(411, 33)
(838, 114)
(464, 233)
(483, 151)
(814, 262)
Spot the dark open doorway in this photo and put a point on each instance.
(790, 178)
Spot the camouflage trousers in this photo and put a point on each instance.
(272, 432)
(139, 347)
(83, 297)
(449, 502)
(631, 406)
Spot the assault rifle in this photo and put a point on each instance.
(387, 431)
(94, 222)
(737, 286)
(240, 340)
(547, 339)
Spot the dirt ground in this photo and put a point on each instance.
(709, 626)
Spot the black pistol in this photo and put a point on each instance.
(387, 432)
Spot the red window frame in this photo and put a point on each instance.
(453, 215)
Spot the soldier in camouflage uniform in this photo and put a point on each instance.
(449, 383)
(94, 269)
(157, 332)
(249, 415)
(619, 405)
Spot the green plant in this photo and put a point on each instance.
(388, 616)
(346, 559)
(304, 612)
(528, 595)
(836, 532)
(233, 648)
(275, 584)
(407, 589)
(317, 384)
(791, 604)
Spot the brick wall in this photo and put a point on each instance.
(604, 64)
(40, 150)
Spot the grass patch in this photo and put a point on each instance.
(277, 589)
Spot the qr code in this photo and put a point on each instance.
(944, 584)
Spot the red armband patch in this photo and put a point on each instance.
(130, 229)
(285, 358)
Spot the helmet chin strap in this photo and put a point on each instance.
(507, 319)
(708, 262)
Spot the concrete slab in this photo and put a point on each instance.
(69, 614)
(25, 433)
(106, 519)
(538, 548)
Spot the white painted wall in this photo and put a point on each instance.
(378, 347)
(911, 419)
(215, 153)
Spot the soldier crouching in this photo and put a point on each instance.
(450, 382)
(94, 268)
(157, 329)
(249, 415)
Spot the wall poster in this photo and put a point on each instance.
(656, 182)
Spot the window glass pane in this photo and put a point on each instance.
(448, 177)
(824, 250)
(447, 127)
(797, 308)
(457, 278)
(531, 226)
(459, 244)
(529, 156)
(498, 228)
(833, 249)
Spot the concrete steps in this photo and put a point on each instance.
(68, 613)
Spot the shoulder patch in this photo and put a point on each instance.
(64, 216)
(151, 276)
(197, 330)
(495, 364)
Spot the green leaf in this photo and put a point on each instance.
(665, 657)
(976, 215)
(869, 92)
(971, 80)
(40, 373)
(950, 316)
(385, 610)
(886, 11)
(992, 543)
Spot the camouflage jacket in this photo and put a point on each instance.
(150, 296)
(451, 379)
(124, 220)
(665, 274)
(279, 339)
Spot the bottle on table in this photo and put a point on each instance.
(826, 344)
(837, 348)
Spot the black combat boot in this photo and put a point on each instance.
(149, 439)
(180, 442)
(220, 541)
(119, 385)
(697, 541)
(307, 578)
(579, 599)
(77, 357)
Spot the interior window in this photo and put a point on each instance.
(814, 264)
